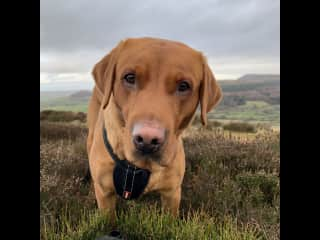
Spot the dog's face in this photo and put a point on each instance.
(157, 86)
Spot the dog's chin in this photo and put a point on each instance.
(152, 157)
(139, 158)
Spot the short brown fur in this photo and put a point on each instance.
(159, 64)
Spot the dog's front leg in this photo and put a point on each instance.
(170, 200)
(106, 202)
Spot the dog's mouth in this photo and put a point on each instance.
(147, 155)
(148, 149)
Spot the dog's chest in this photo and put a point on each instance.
(158, 180)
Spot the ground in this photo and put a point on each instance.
(230, 190)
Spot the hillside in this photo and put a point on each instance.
(83, 94)
(251, 87)
(252, 97)
(51, 95)
(259, 77)
(65, 101)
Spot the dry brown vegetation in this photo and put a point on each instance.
(225, 176)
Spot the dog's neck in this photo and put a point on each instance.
(114, 128)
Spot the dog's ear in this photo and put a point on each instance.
(104, 74)
(210, 92)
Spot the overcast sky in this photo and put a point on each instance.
(238, 37)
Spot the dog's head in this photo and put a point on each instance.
(156, 85)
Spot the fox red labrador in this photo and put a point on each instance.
(146, 93)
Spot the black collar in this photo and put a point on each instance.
(129, 180)
(109, 147)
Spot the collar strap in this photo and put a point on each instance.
(129, 180)
(109, 147)
(122, 162)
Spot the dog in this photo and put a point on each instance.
(146, 93)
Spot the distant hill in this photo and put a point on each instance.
(251, 87)
(68, 101)
(259, 77)
(48, 95)
(250, 97)
(83, 94)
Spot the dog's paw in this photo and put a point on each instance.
(114, 235)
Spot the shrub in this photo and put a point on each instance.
(212, 124)
(263, 126)
(62, 116)
(232, 101)
(240, 127)
(224, 177)
(197, 120)
(58, 130)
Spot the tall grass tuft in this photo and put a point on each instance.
(148, 222)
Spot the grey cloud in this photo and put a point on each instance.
(214, 26)
(69, 62)
(221, 29)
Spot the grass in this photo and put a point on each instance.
(147, 222)
(251, 111)
(76, 108)
(230, 189)
(64, 103)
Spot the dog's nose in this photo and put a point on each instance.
(148, 137)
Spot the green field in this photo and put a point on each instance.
(252, 111)
(252, 98)
(64, 103)
(73, 108)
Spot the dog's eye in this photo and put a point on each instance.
(130, 78)
(183, 86)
